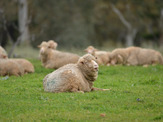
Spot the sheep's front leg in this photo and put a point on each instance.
(99, 89)
(76, 90)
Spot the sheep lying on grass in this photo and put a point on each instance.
(102, 56)
(135, 56)
(73, 77)
(54, 59)
(9, 67)
(27, 66)
(3, 53)
(23, 63)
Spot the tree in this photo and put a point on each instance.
(161, 27)
(23, 20)
(131, 31)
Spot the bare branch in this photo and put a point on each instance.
(121, 17)
(5, 26)
(10, 38)
(14, 46)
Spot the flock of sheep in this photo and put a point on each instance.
(75, 73)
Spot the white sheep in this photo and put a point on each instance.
(54, 59)
(25, 64)
(135, 56)
(9, 67)
(102, 56)
(73, 77)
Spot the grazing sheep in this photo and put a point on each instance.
(27, 66)
(3, 53)
(9, 67)
(73, 77)
(135, 56)
(102, 56)
(54, 59)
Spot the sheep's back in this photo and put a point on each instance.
(10, 67)
(28, 66)
(62, 58)
(63, 79)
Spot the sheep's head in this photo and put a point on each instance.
(44, 46)
(90, 50)
(52, 44)
(116, 59)
(88, 66)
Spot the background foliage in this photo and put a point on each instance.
(78, 23)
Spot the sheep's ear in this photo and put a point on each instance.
(85, 50)
(39, 46)
(4, 56)
(82, 61)
(53, 45)
(95, 49)
(50, 46)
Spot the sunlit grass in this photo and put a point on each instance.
(136, 95)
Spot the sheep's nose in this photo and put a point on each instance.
(90, 51)
(95, 65)
(42, 50)
(113, 62)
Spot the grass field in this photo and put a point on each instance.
(136, 95)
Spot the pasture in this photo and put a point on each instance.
(136, 95)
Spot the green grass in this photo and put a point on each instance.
(136, 95)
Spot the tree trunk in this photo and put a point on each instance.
(131, 31)
(161, 28)
(130, 36)
(129, 40)
(23, 21)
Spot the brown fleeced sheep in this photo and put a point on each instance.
(73, 77)
(9, 67)
(25, 64)
(135, 56)
(3, 53)
(54, 59)
(102, 56)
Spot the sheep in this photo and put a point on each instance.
(149, 57)
(135, 56)
(3, 53)
(27, 66)
(9, 67)
(102, 56)
(77, 77)
(54, 59)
